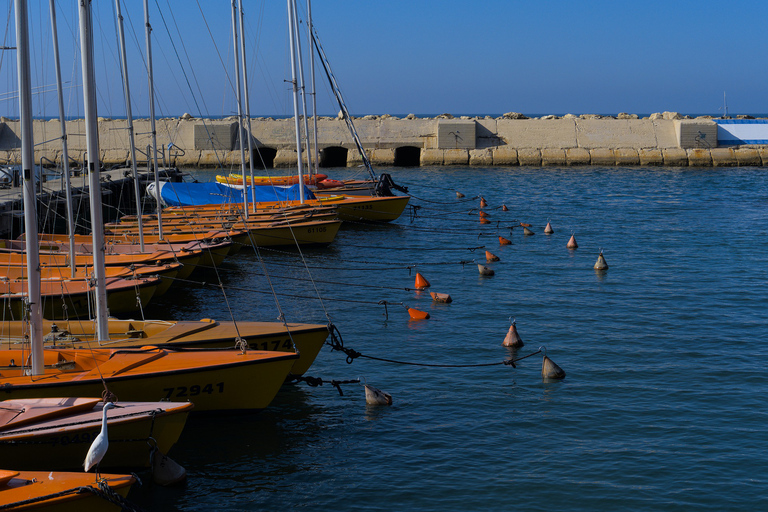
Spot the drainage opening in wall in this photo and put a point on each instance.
(264, 158)
(407, 156)
(333, 156)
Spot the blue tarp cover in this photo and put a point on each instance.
(192, 194)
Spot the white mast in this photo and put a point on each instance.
(30, 198)
(247, 103)
(310, 42)
(64, 150)
(148, 33)
(239, 108)
(300, 65)
(94, 186)
(295, 97)
(129, 115)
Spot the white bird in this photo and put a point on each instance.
(99, 446)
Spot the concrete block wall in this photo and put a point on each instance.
(482, 141)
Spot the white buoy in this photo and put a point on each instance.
(99, 445)
(512, 338)
(166, 471)
(601, 264)
(550, 370)
(375, 396)
(485, 271)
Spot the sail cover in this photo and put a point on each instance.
(193, 194)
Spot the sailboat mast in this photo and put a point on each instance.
(94, 186)
(311, 51)
(150, 79)
(295, 98)
(247, 102)
(30, 198)
(302, 90)
(239, 108)
(64, 149)
(129, 115)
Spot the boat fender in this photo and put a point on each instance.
(375, 396)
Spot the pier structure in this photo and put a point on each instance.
(666, 139)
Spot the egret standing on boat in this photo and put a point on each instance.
(99, 446)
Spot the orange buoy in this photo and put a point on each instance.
(526, 225)
(527, 232)
(550, 370)
(483, 202)
(483, 214)
(601, 264)
(485, 271)
(512, 338)
(548, 229)
(504, 241)
(421, 283)
(489, 257)
(504, 208)
(441, 297)
(572, 243)
(483, 220)
(459, 195)
(417, 315)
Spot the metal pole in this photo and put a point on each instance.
(129, 115)
(148, 32)
(295, 98)
(64, 150)
(30, 198)
(247, 102)
(92, 138)
(239, 109)
(301, 88)
(316, 152)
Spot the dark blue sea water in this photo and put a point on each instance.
(664, 403)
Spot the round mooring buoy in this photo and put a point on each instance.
(550, 370)
(572, 243)
(375, 396)
(512, 339)
(421, 283)
(601, 264)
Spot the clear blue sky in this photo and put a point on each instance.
(423, 57)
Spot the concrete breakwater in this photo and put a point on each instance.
(510, 140)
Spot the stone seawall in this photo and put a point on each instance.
(510, 140)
